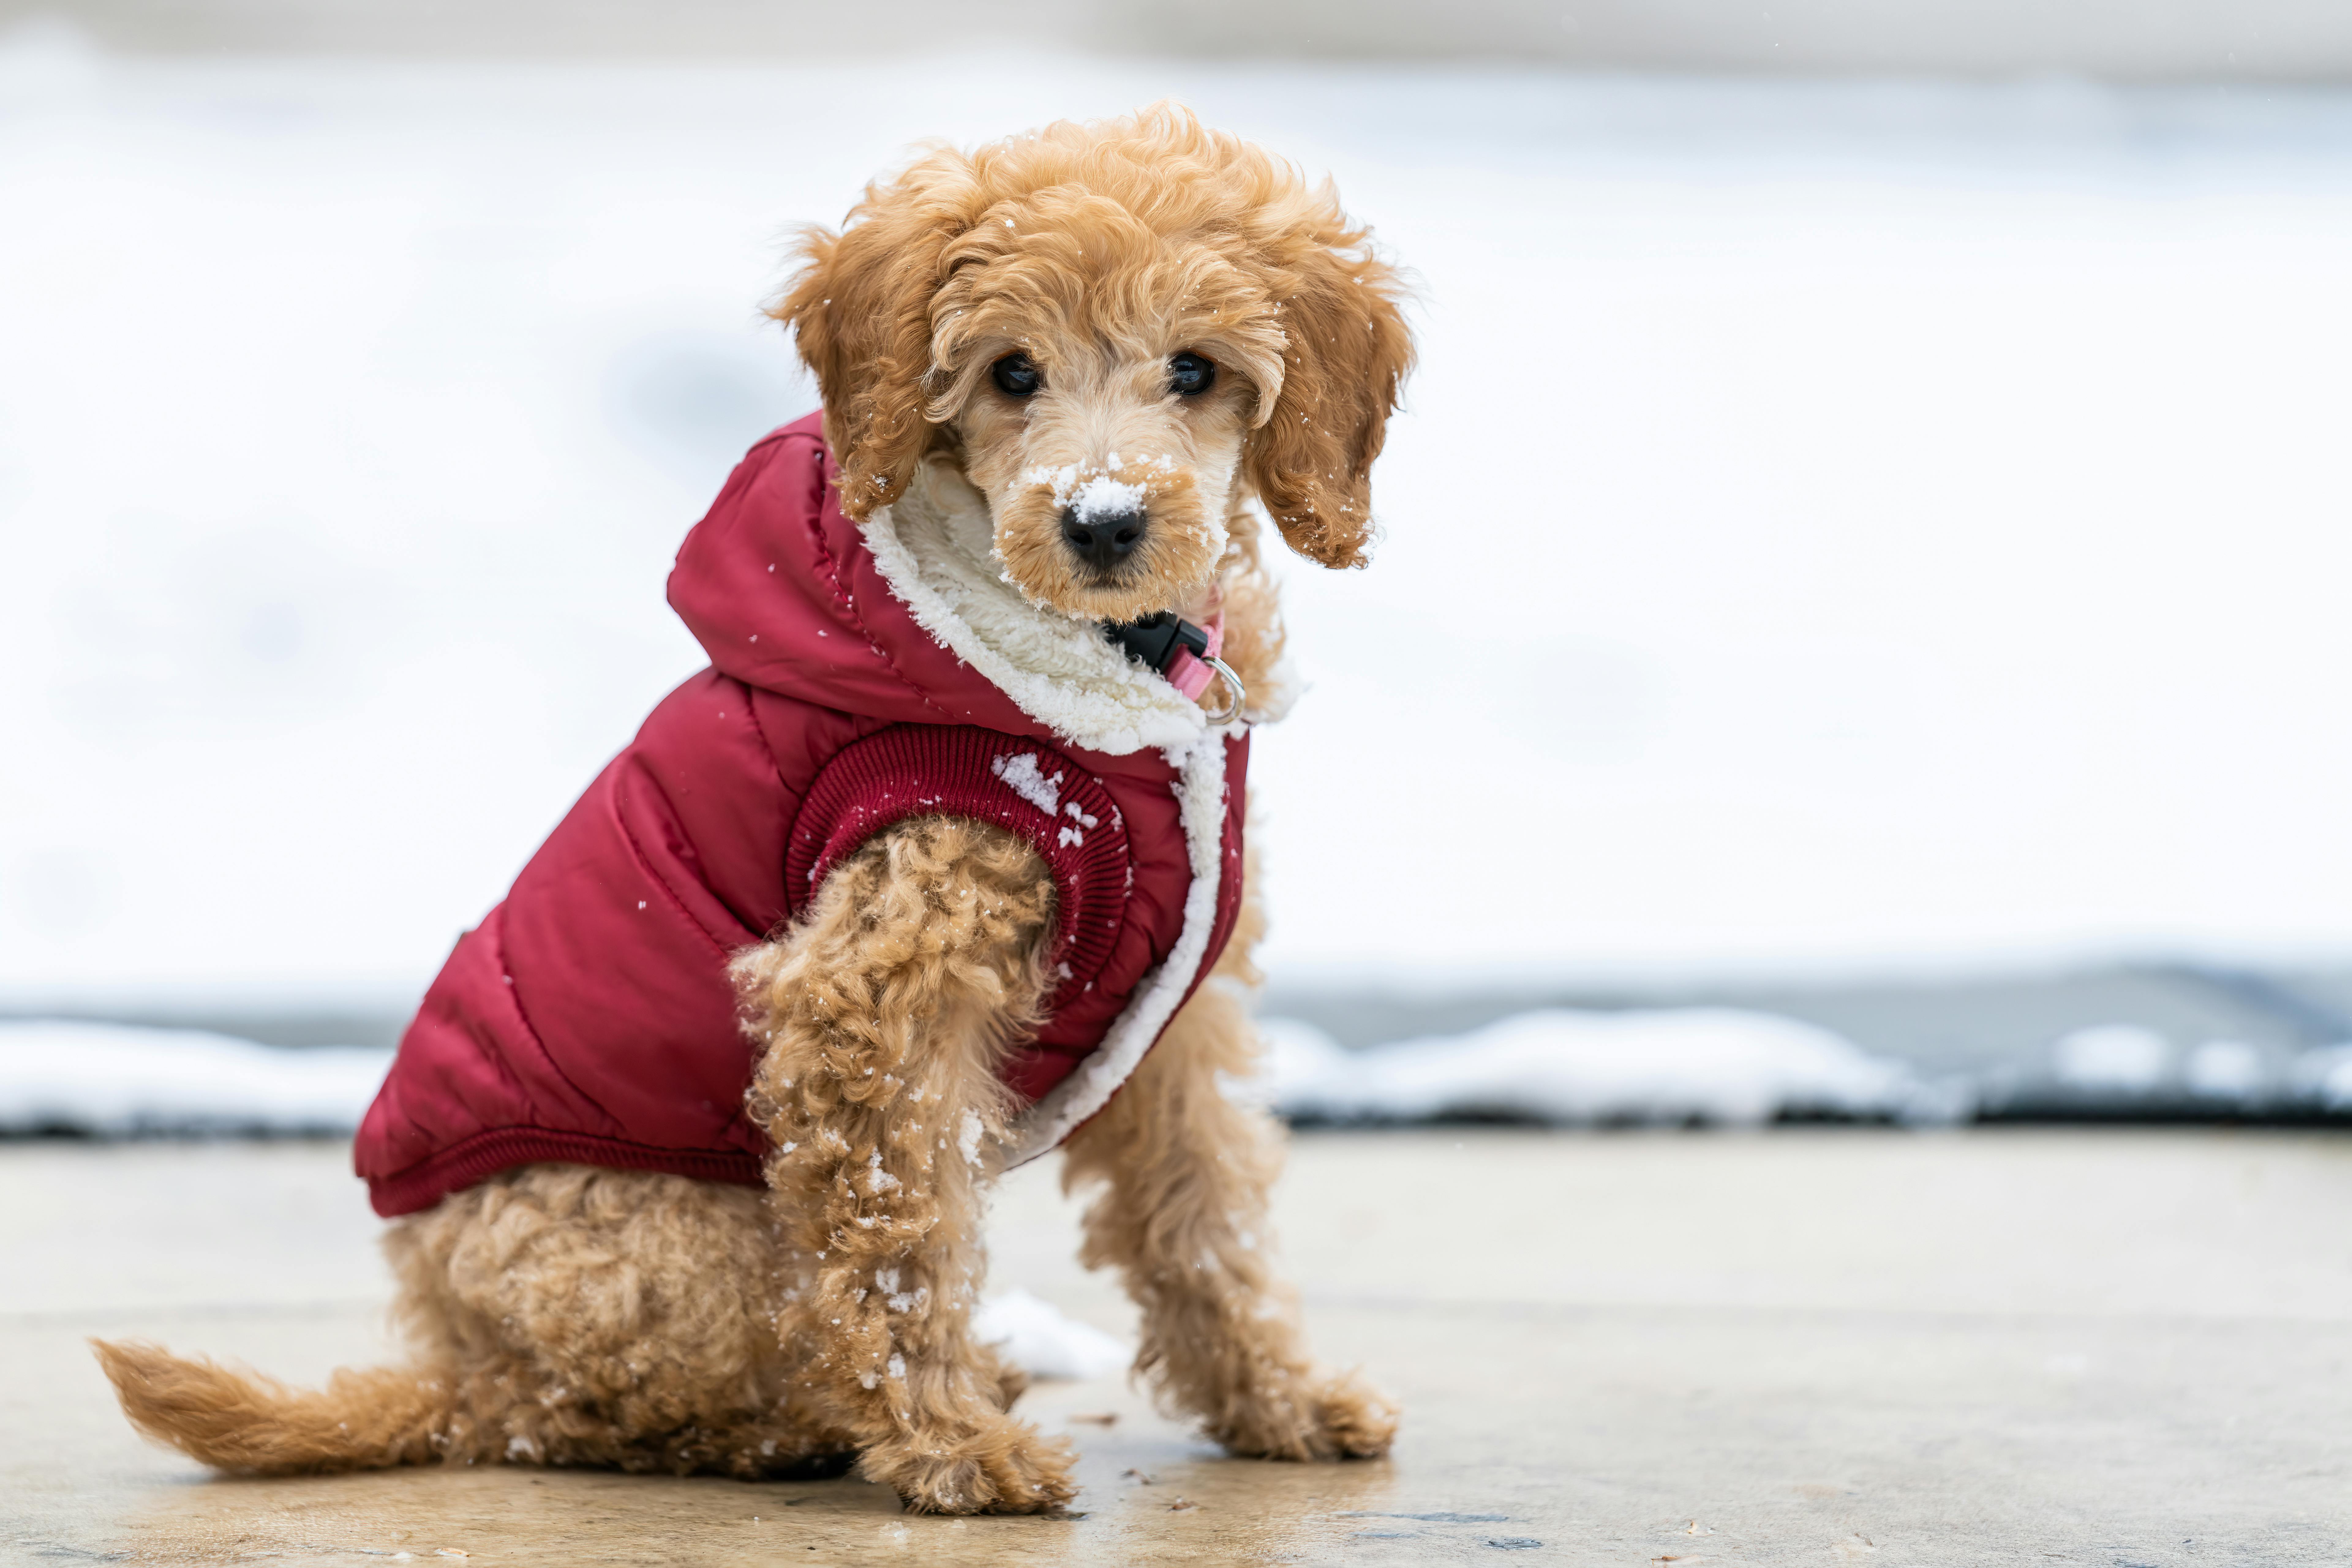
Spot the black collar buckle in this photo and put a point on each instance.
(1158, 638)
(1161, 639)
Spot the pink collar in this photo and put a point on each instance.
(1185, 654)
(1191, 675)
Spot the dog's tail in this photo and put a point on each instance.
(250, 1425)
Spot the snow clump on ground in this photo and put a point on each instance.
(1038, 1340)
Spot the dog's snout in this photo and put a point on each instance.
(1102, 539)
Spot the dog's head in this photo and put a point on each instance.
(1121, 332)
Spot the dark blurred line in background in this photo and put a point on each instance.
(2012, 1047)
(2276, 40)
(1936, 1026)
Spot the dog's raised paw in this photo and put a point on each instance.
(1358, 1420)
(1341, 1417)
(1002, 1466)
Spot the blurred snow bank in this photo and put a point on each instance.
(1711, 1064)
(2325, 1077)
(112, 1080)
(1705, 1065)
(1042, 1342)
(1715, 1066)
(2128, 1069)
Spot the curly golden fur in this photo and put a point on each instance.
(1100, 251)
(564, 1315)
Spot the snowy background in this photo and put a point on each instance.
(1840, 529)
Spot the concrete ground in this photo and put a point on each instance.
(1802, 1346)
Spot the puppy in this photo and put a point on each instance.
(938, 868)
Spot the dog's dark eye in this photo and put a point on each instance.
(1189, 375)
(1015, 376)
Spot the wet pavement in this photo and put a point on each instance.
(1800, 1346)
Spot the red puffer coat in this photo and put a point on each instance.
(588, 1017)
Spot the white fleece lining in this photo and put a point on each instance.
(935, 548)
(1066, 675)
(1200, 804)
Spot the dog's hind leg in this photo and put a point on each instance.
(883, 1016)
(620, 1318)
(1183, 1219)
(561, 1315)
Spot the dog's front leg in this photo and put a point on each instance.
(1183, 1217)
(885, 1013)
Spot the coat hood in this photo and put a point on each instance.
(908, 617)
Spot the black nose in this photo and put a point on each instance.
(1103, 539)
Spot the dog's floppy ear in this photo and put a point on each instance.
(1346, 352)
(860, 310)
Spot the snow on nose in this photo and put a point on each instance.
(1103, 497)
